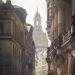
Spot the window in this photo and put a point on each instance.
(1, 28)
(0, 49)
(37, 23)
(49, 12)
(0, 52)
(49, 4)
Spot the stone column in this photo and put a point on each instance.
(52, 31)
(61, 18)
(56, 24)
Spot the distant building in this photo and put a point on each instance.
(15, 41)
(41, 44)
(61, 32)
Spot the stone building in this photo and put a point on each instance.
(14, 41)
(29, 53)
(61, 32)
(41, 44)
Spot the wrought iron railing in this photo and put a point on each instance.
(57, 42)
(70, 33)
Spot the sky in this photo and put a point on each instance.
(31, 8)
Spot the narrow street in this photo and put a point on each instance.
(37, 37)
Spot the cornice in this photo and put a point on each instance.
(48, 0)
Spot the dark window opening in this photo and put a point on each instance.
(1, 28)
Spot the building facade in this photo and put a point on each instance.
(61, 32)
(29, 52)
(41, 44)
(15, 40)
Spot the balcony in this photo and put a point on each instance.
(57, 42)
(70, 34)
(64, 38)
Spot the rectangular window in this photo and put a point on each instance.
(0, 50)
(1, 28)
(37, 23)
(49, 4)
(49, 12)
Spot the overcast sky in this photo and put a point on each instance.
(31, 8)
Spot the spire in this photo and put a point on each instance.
(8, 2)
(37, 14)
(37, 8)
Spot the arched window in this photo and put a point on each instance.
(37, 23)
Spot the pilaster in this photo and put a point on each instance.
(52, 31)
(56, 24)
(61, 18)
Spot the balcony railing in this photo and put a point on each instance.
(57, 42)
(69, 34)
(64, 38)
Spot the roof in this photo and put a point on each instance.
(1, 2)
(16, 6)
(21, 13)
(37, 14)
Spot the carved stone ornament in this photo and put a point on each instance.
(54, 7)
(48, 60)
(73, 53)
(59, 59)
(61, 6)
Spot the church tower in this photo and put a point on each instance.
(37, 20)
(41, 44)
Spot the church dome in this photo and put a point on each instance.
(37, 14)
